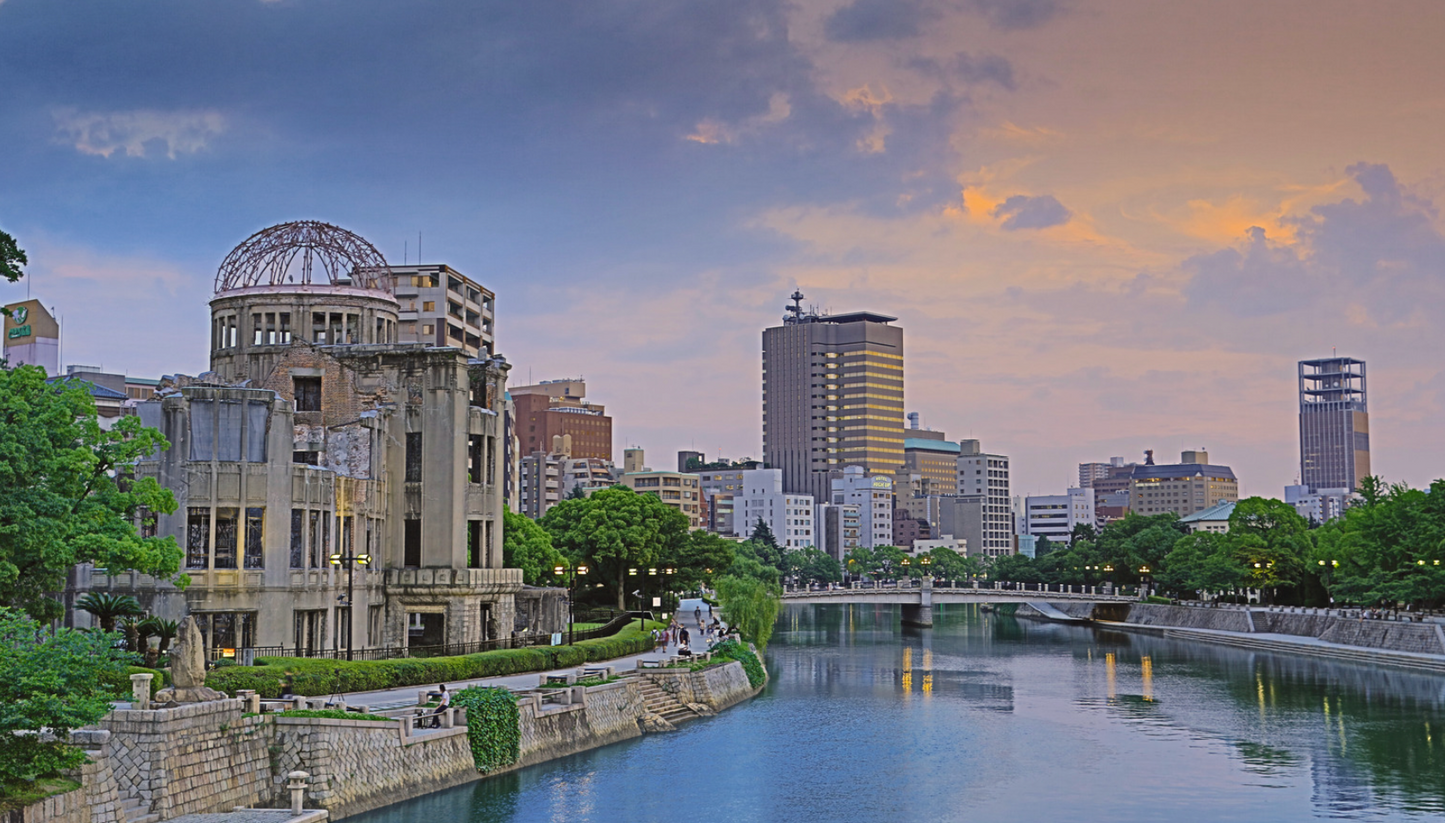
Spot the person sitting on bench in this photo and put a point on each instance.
(446, 699)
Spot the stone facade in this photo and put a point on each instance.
(316, 434)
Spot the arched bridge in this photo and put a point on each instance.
(917, 597)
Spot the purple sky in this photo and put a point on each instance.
(1105, 225)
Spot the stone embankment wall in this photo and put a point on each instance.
(199, 757)
(718, 687)
(1382, 635)
(210, 757)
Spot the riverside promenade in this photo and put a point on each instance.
(406, 696)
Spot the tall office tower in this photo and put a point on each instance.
(1334, 424)
(832, 396)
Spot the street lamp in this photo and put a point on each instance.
(572, 574)
(351, 561)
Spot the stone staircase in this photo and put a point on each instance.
(133, 810)
(664, 704)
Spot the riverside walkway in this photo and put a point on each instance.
(386, 699)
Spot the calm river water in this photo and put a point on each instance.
(988, 718)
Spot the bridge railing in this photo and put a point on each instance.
(1060, 589)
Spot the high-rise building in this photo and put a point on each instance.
(555, 408)
(676, 489)
(832, 396)
(986, 476)
(440, 306)
(1334, 424)
(873, 495)
(839, 529)
(1190, 485)
(32, 337)
(788, 516)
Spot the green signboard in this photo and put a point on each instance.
(19, 331)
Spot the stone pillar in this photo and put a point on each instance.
(140, 689)
(296, 785)
(922, 614)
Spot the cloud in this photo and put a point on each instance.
(131, 132)
(1380, 260)
(1024, 212)
(710, 131)
(1017, 14)
(867, 20)
(968, 68)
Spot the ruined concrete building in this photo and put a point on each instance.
(318, 433)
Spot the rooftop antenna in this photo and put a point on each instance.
(405, 252)
(796, 310)
(418, 248)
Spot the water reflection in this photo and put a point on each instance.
(988, 718)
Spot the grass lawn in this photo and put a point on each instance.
(20, 793)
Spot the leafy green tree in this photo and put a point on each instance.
(68, 496)
(12, 258)
(1269, 538)
(1045, 547)
(700, 558)
(751, 605)
(746, 564)
(947, 564)
(528, 546)
(812, 566)
(1083, 531)
(105, 607)
(859, 561)
(52, 681)
(576, 492)
(616, 530)
(1015, 568)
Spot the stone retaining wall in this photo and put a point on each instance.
(717, 687)
(1154, 614)
(200, 757)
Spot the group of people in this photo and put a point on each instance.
(678, 634)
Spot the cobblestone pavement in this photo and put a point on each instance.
(395, 698)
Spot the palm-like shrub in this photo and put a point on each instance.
(106, 607)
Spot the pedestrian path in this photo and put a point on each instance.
(384, 699)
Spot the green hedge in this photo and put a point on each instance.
(120, 683)
(312, 677)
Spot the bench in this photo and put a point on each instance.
(650, 664)
(560, 679)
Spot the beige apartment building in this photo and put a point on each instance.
(676, 489)
(1186, 487)
(440, 306)
(316, 433)
(832, 397)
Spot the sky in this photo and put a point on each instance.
(1104, 225)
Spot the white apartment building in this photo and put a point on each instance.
(986, 476)
(874, 498)
(788, 516)
(1055, 515)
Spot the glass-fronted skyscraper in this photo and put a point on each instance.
(1334, 424)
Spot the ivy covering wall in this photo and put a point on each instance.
(494, 726)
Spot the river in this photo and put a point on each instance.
(989, 718)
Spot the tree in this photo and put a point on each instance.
(165, 630)
(105, 607)
(947, 564)
(576, 493)
(1045, 547)
(746, 564)
(12, 258)
(53, 681)
(1083, 531)
(750, 605)
(812, 566)
(766, 545)
(700, 558)
(616, 530)
(859, 561)
(528, 546)
(69, 496)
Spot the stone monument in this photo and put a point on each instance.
(188, 669)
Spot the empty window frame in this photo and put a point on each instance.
(307, 393)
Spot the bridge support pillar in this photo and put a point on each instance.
(920, 615)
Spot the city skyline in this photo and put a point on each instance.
(1065, 239)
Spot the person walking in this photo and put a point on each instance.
(697, 616)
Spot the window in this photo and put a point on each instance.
(255, 528)
(474, 544)
(474, 458)
(373, 626)
(298, 538)
(413, 456)
(320, 533)
(307, 393)
(428, 305)
(198, 537)
(412, 543)
(226, 535)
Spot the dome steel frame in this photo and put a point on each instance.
(292, 253)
